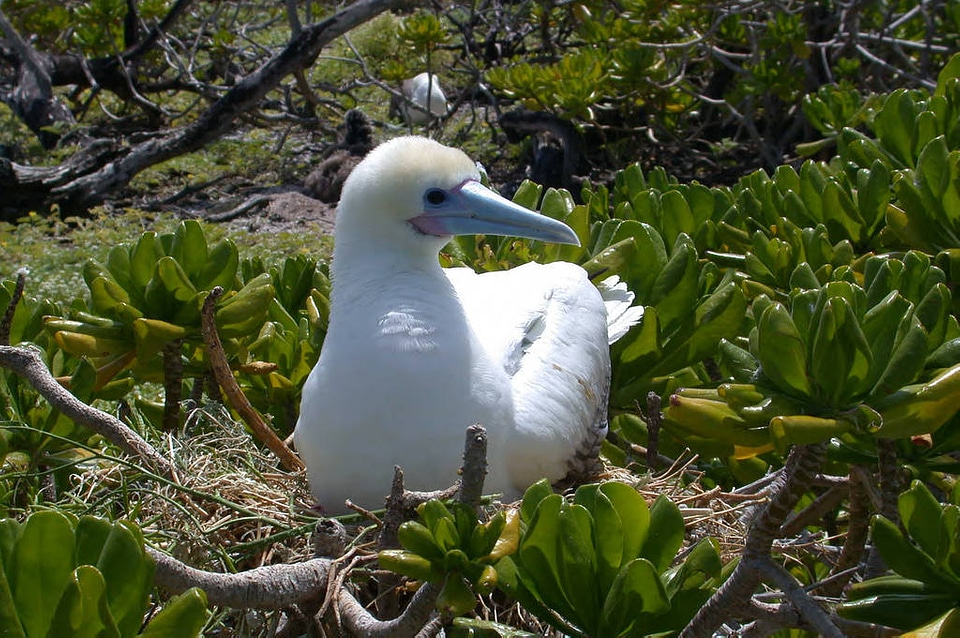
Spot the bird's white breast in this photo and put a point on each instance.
(400, 378)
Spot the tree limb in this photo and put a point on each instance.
(27, 363)
(734, 598)
(84, 188)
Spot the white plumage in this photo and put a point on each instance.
(428, 101)
(416, 353)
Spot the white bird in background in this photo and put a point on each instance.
(415, 353)
(428, 101)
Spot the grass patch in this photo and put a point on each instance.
(53, 251)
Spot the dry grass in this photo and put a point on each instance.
(235, 510)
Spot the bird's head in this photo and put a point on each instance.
(415, 191)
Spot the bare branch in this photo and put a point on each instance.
(238, 401)
(27, 363)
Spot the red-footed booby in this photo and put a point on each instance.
(424, 101)
(415, 353)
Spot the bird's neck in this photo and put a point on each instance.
(369, 268)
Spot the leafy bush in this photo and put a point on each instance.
(62, 576)
(928, 569)
(600, 565)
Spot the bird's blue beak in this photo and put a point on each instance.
(473, 209)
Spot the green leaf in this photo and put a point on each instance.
(906, 611)
(528, 194)
(9, 619)
(577, 564)
(905, 362)
(906, 559)
(607, 533)
(43, 561)
(634, 516)
(674, 293)
(82, 610)
(410, 564)
(920, 513)
(189, 248)
(419, 539)
(636, 590)
(152, 335)
(220, 268)
(665, 535)
(781, 351)
(128, 571)
(538, 554)
(143, 259)
(677, 216)
(701, 565)
(183, 617)
(893, 124)
(532, 497)
(510, 581)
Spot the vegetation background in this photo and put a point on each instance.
(778, 182)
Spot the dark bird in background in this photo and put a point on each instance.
(326, 181)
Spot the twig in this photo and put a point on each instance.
(172, 384)
(734, 598)
(359, 621)
(809, 610)
(654, 419)
(7, 322)
(857, 528)
(821, 506)
(256, 201)
(235, 397)
(27, 363)
(889, 491)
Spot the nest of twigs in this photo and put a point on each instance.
(235, 510)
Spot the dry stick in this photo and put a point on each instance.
(808, 608)
(6, 323)
(474, 466)
(859, 523)
(235, 397)
(27, 363)
(267, 587)
(654, 419)
(172, 384)
(889, 491)
(812, 513)
(733, 598)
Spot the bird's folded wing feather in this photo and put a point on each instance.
(547, 326)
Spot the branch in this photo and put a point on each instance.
(6, 323)
(27, 363)
(267, 587)
(33, 99)
(218, 119)
(733, 599)
(858, 526)
(474, 469)
(235, 397)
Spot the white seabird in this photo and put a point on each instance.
(415, 353)
(424, 99)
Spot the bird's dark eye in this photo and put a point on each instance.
(435, 196)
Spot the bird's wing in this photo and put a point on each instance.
(547, 326)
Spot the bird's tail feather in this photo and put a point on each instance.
(621, 315)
